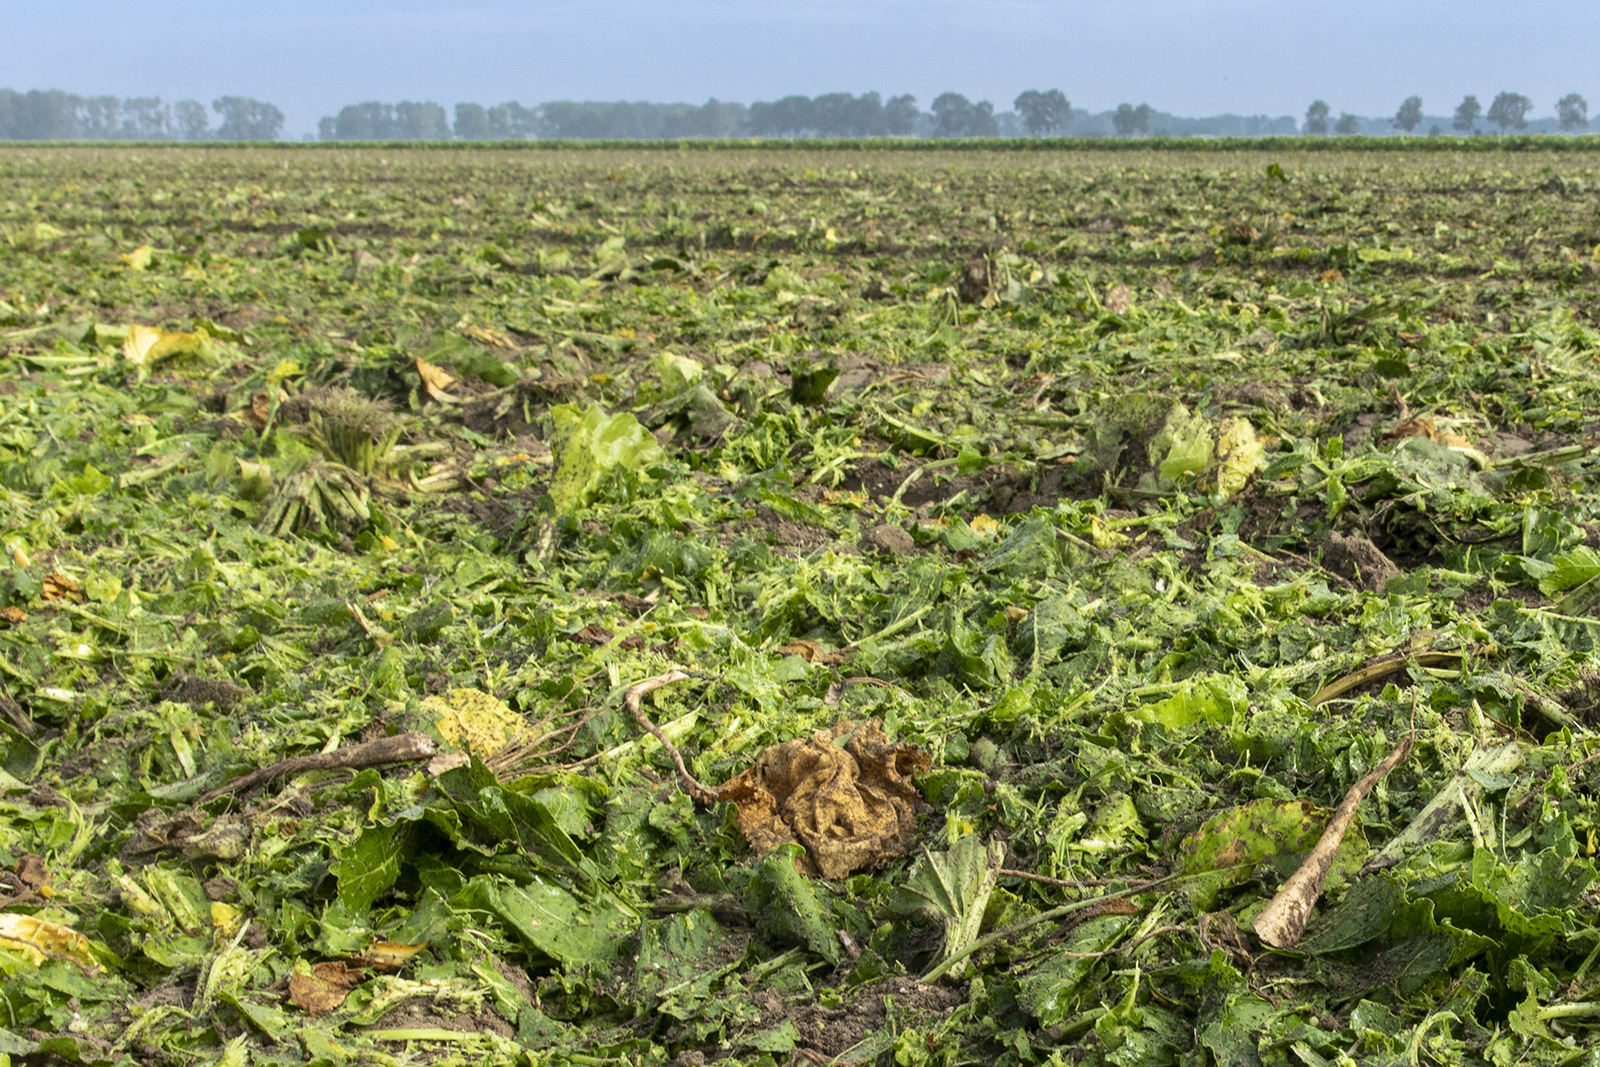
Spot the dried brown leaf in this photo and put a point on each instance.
(852, 807)
(812, 652)
(324, 989)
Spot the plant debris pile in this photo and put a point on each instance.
(1143, 607)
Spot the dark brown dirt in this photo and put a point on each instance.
(993, 487)
(196, 692)
(1359, 561)
(775, 529)
(1250, 394)
(833, 1032)
(413, 1016)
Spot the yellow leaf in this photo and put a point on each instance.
(390, 955)
(147, 345)
(435, 381)
(39, 940)
(984, 526)
(225, 917)
(473, 720)
(139, 258)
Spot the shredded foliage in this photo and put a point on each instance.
(1138, 503)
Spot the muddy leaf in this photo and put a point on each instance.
(786, 904)
(845, 794)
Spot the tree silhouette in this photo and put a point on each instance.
(900, 115)
(1467, 114)
(1573, 110)
(244, 119)
(190, 117)
(1317, 119)
(1348, 126)
(1129, 120)
(1043, 113)
(472, 122)
(1510, 111)
(1409, 117)
(956, 116)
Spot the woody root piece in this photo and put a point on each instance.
(1282, 922)
(397, 749)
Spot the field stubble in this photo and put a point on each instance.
(1037, 544)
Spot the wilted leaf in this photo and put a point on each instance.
(1239, 455)
(147, 346)
(389, 955)
(812, 652)
(588, 445)
(852, 805)
(139, 258)
(435, 382)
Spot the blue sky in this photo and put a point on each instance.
(1190, 57)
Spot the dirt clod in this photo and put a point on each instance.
(1358, 560)
(890, 539)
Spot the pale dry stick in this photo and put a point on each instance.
(633, 701)
(398, 749)
(1283, 921)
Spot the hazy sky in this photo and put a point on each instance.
(1191, 57)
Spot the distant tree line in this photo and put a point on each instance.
(1508, 111)
(56, 115)
(53, 115)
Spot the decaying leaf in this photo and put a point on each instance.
(323, 988)
(489, 336)
(39, 940)
(58, 586)
(435, 382)
(812, 652)
(146, 345)
(474, 721)
(852, 805)
(32, 872)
